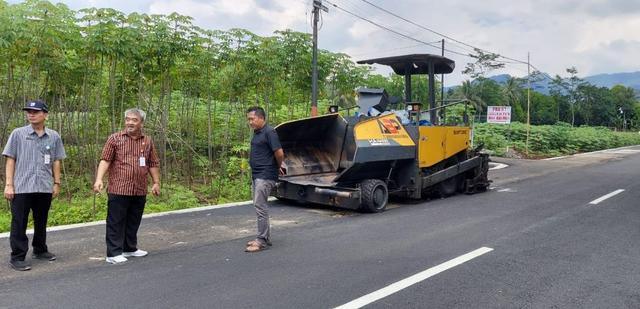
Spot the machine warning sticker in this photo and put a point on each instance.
(382, 130)
(379, 142)
(389, 126)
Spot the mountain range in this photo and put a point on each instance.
(630, 79)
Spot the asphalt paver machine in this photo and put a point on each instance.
(358, 161)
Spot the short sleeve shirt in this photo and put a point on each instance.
(130, 159)
(263, 162)
(34, 157)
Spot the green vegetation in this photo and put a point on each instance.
(89, 207)
(550, 140)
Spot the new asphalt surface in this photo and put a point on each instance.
(552, 248)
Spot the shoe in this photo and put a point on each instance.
(118, 259)
(44, 256)
(137, 253)
(20, 265)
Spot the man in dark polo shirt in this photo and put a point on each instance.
(266, 160)
(129, 156)
(34, 155)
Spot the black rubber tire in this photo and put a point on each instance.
(462, 156)
(375, 195)
(450, 186)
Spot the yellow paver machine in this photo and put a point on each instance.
(358, 161)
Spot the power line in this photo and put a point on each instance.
(451, 43)
(438, 33)
(545, 75)
(431, 44)
(391, 30)
(418, 40)
(392, 49)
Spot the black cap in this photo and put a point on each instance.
(36, 105)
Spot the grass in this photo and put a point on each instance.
(87, 207)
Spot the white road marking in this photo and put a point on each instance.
(405, 283)
(153, 215)
(604, 197)
(625, 151)
(556, 158)
(620, 150)
(506, 190)
(498, 166)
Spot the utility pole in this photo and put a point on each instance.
(624, 119)
(444, 110)
(317, 6)
(528, 102)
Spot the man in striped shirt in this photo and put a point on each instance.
(129, 156)
(33, 155)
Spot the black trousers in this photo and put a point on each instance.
(21, 204)
(124, 215)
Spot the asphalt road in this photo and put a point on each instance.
(552, 246)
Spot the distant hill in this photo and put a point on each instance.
(542, 86)
(631, 79)
(609, 80)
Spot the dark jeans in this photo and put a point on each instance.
(124, 215)
(21, 204)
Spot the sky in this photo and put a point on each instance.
(594, 36)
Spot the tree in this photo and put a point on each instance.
(512, 92)
(543, 109)
(624, 99)
(570, 88)
(485, 63)
(470, 92)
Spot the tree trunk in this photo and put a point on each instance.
(112, 91)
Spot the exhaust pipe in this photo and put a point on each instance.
(334, 193)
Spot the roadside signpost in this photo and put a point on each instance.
(499, 114)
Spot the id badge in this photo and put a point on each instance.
(47, 159)
(142, 161)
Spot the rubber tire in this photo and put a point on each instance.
(462, 156)
(375, 195)
(450, 186)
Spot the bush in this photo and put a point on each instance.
(83, 208)
(550, 140)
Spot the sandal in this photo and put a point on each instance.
(255, 248)
(256, 242)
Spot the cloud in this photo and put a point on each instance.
(260, 17)
(611, 8)
(611, 57)
(195, 8)
(284, 14)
